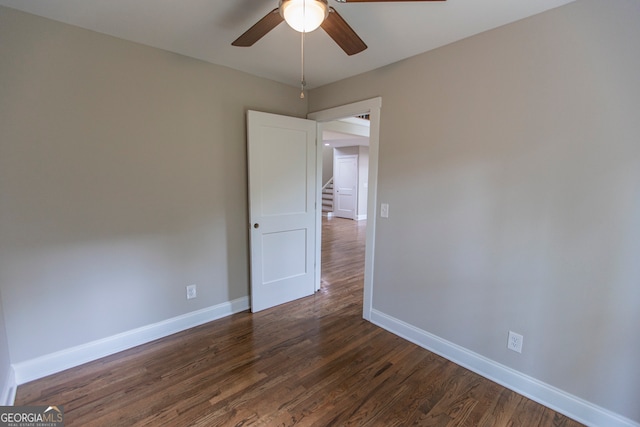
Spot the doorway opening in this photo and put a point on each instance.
(370, 108)
(345, 167)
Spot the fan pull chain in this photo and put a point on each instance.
(302, 82)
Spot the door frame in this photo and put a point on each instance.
(372, 107)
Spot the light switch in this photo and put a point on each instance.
(384, 210)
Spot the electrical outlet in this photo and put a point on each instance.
(515, 342)
(192, 291)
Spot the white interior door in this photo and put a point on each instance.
(345, 184)
(282, 180)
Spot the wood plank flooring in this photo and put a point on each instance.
(312, 362)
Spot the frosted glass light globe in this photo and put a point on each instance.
(304, 16)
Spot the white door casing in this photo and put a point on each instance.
(372, 107)
(282, 208)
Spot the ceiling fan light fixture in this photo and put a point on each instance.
(304, 16)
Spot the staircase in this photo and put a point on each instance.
(327, 197)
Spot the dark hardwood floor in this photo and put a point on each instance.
(312, 362)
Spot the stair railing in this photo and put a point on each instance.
(327, 184)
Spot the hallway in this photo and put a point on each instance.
(343, 245)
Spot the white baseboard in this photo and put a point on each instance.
(8, 393)
(357, 218)
(42, 366)
(574, 407)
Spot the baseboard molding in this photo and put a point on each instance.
(43, 366)
(8, 394)
(574, 407)
(357, 218)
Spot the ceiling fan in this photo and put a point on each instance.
(307, 15)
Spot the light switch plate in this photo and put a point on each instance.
(384, 210)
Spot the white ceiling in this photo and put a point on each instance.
(204, 29)
(346, 132)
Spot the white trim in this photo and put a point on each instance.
(371, 106)
(42, 366)
(361, 217)
(8, 396)
(574, 407)
(327, 184)
(318, 249)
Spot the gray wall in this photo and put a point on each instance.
(5, 362)
(327, 164)
(122, 180)
(511, 163)
(363, 180)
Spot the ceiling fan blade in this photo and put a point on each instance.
(259, 29)
(342, 33)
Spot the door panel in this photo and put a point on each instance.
(346, 186)
(282, 258)
(282, 181)
(283, 174)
